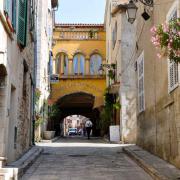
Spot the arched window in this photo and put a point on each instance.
(95, 63)
(62, 64)
(57, 64)
(78, 64)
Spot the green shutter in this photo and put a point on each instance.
(14, 14)
(22, 22)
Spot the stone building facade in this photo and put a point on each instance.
(77, 84)
(120, 43)
(158, 116)
(154, 82)
(16, 78)
(45, 14)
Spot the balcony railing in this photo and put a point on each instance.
(79, 35)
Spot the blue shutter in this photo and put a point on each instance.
(14, 14)
(22, 22)
(7, 6)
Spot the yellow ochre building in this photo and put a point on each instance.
(78, 52)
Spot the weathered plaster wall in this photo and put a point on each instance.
(159, 125)
(122, 54)
(16, 111)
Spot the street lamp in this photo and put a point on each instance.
(132, 9)
(131, 12)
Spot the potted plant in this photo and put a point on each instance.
(53, 114)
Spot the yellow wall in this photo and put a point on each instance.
(85, 46)
(95, 87)
(91, 84)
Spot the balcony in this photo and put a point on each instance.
(85, 35)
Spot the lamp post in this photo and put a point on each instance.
(132, 9)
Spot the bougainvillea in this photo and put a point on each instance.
(166, 37)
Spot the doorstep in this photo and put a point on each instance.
(153, 165)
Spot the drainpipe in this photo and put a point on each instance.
(34, 71)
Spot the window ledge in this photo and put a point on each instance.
(6, 25)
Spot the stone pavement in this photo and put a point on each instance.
(156, 167)
(80, 159)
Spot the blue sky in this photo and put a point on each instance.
(80, 11)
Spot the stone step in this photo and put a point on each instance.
(20, 166)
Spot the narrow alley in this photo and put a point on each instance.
(89, 89)
(79, 159)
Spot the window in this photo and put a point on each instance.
(25, 79)
(62, 64)
(78, 64)
(22, 22)
(110, 14)
(10, 10)
(173, 76)
(95, 63)
(57, 65)
(141, 98)
(65, 65)
(32, 14)
(114, 35)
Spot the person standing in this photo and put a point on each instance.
(88, 126)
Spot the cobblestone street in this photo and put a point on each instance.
(80, 159)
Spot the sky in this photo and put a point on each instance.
(81, 11)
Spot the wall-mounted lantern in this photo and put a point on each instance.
(131, 10)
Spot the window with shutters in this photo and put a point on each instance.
(141, 98)
(173, 69)
(22, 22)
(114, 35)
(32, 14)
(10, 11)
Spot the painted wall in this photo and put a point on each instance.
(16, 112)
(159, 124)
(121, 52)
(92, 84)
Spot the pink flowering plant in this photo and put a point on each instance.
(166, 37)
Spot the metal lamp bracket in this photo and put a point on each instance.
(146, 2)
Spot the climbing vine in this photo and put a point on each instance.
(106, 115)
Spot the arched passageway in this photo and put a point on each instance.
(76, 104)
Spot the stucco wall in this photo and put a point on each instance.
(122, 54)
(159, 125)
(17, 110)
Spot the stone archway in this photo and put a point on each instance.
(79, 103)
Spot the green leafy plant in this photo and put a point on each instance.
(111, 74)
(106, 115)
(91, 34)
(38, 116)
(53, 116)
(54, 111)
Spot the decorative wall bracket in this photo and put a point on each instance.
(146, 2)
